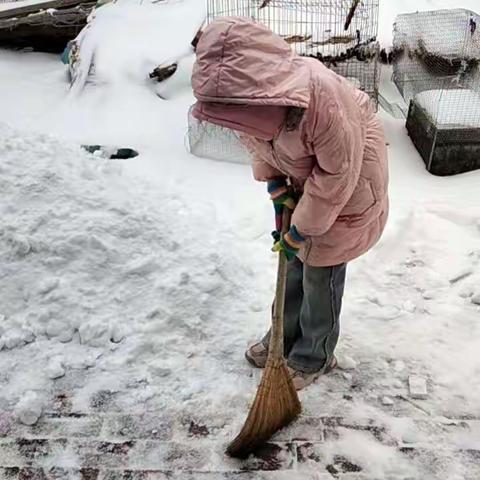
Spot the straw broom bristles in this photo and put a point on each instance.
(276, 403)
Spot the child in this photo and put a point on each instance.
(303, 122)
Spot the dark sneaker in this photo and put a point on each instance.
(257, 355)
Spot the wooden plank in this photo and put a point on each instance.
(28, 9)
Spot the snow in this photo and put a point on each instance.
(455, 108)
(21, 3)
(143, 281)
(29, 408)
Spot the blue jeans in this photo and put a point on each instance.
(313, 300)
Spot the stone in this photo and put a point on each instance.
(418, 387)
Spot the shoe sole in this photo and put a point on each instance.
(333, 365)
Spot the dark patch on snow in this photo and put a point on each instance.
(89, 474)
(332, 421)
(9, 473)
(32, 474)
(31, 449)
(6, 424)
(270, 456)
(197, 430)
(102, 400)
(342, 465)
(63, 403)
(306, 452)
(115, 448)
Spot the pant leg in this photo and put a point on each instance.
(319, 318)
(293, 305)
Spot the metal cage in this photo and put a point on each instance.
(316, 28)
(436, 69)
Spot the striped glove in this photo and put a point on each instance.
(289, 243)
(278, 191)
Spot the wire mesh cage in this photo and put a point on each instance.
(340, 33)
(437, 70)
(317, 28)
(207, 140)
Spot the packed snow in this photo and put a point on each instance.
(456, 108)
(142, 282)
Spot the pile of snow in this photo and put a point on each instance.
(455, 108)
(100, 272)
(126, 40)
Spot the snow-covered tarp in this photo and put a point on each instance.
(450, 109)
(126, 40)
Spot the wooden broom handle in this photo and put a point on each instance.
(276, 339)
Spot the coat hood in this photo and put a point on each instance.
(240, 61)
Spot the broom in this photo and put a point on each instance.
(276, 403)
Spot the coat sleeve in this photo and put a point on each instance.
(260, 151)
(338, 141)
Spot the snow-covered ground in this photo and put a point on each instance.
(143, 281)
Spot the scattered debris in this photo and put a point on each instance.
(162, 73)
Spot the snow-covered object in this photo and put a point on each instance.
(29, 408)
(124, 41)
(418, 387)
(455, 108)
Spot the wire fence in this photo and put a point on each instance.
(314, 28)
(437, 70)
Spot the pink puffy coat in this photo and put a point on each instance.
(337, 157)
